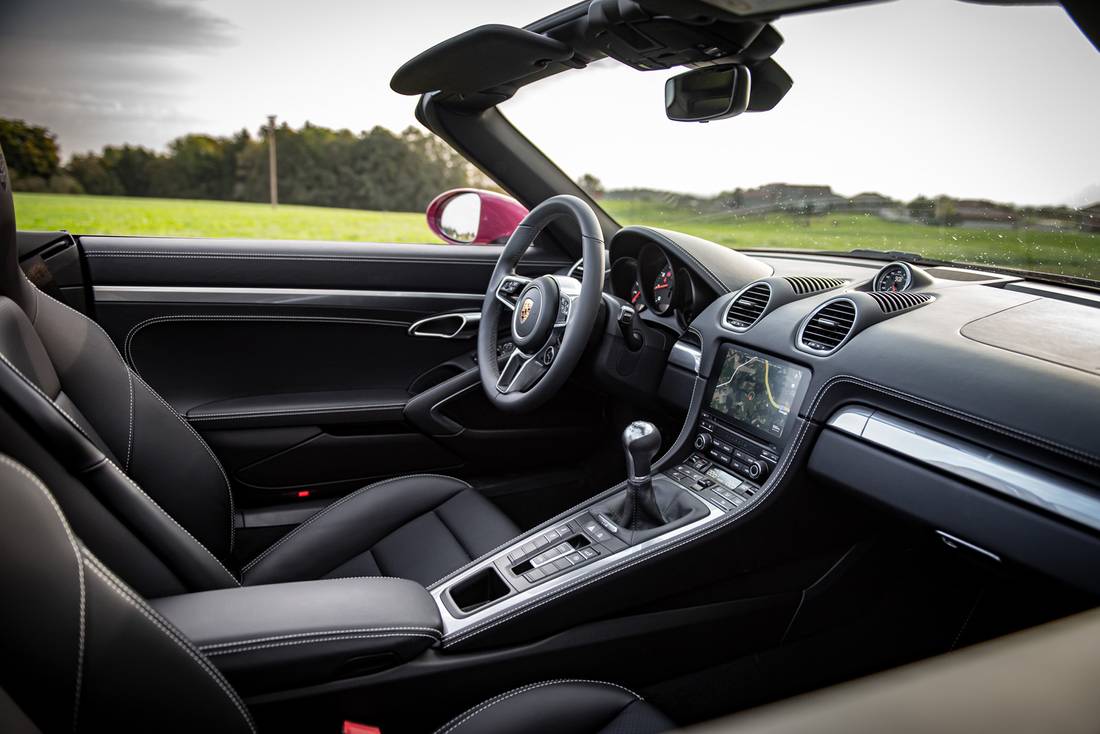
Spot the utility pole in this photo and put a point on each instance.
(273, 172)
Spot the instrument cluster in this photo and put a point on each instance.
(651, 282)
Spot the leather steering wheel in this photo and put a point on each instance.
(551, 316)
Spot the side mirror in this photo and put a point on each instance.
(474, 217)
(709, 93)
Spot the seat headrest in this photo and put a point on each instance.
(12, 284)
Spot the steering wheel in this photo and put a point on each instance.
(551, 316)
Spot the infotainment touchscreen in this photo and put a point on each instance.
(756, 392)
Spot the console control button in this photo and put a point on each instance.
(552, 536)
(603, 520)
(702, 442)
(589, 552)
(575, 558)
(515, 555)
(561, 564)
(529, 548)
(533, 575)
(541, 542)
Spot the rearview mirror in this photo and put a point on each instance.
(474, 217)
(709, 93)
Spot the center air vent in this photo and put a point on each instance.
(803, 284)
(890, 302)
(747, 308)
(828, 326)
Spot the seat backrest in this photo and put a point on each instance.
(66, 381)
(81, 650)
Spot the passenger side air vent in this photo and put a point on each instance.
(747, 308)
(803, 284)
(892, 302)
(828, 326)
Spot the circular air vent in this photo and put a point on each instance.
(827, 327)
(748, 306)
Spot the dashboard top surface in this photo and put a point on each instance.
(1041, 402)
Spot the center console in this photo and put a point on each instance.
(739, 436)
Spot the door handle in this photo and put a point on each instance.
(448, 325)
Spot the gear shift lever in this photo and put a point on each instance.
(641, 440)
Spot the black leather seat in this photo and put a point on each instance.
(167, 496)
(85, 652)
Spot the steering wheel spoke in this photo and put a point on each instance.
(509, 288)
(521, 371)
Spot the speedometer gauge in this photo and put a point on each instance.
(894, 277)
(663, 287)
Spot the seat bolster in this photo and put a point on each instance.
(350, 526)
(562, 706)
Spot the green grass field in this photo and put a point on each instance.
(1069, 253)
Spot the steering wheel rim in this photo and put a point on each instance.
(551, 316)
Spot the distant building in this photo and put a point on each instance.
(1090, 218)
(790, 198)
(981, 213)
(870, 202)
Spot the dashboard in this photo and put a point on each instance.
(961, 398)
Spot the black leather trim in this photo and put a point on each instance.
(415, 527)
(275, 636)
(552, 707)
(303, 409)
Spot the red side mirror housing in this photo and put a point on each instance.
(474, 217)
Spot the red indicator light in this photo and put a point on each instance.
(304, 493)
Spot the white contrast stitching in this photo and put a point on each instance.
(320, 409)
(319, 640)
(175, 522)
(79, 574)
(319, 633)
(462, 718)
(251, 564)
(178, 638)
(218, 464)
(39, 292)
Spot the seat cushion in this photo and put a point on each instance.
(562, 707)
(419, 527)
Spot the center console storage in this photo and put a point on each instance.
(278, 636)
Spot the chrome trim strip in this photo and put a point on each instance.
(996, 472)
(464, 320)
(285, 296)
(686, 356)
(453, 625)
(952, 541)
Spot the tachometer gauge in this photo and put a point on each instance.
(636, 299)
(894, 277)
(663, 287)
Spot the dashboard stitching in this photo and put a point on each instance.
(657, 551)
(982, 422)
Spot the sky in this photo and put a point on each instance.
(905, 98)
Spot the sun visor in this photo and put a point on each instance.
(485, 57)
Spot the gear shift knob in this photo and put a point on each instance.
(641, 440)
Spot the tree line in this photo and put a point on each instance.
(374, 169)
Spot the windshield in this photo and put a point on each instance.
(955, 131)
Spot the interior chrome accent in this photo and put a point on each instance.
(464, 319)
(453, 624)
(954, 542)
(687, 356)
(970, 462)
(520, 372)
(287, 296)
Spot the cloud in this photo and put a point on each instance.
(115, 24)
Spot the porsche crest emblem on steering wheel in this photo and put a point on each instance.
(525, 309)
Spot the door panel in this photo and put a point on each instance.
(296, 362)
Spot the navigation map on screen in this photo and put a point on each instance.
(755, 391)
